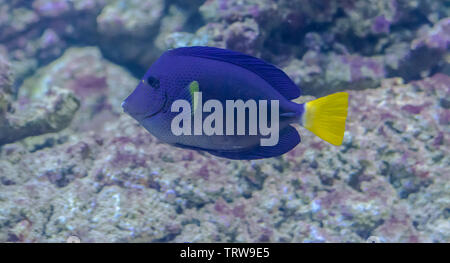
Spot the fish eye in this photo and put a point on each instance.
(154, 82)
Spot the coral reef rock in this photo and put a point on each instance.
(120, 184)
(73, 165)
(22, 118)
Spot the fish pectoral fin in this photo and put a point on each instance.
(194, 90)
(191, 94)
(289, 138)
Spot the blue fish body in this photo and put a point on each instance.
(220, 75)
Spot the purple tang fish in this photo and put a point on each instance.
(230, 105)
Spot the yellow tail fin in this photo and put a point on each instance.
(325, 117)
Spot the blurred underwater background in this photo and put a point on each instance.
(73, 164)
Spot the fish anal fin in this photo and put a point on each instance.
(289, 138)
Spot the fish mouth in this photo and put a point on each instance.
(160, 110)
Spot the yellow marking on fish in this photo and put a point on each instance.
(193, 90)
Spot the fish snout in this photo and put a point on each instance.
(130, 110)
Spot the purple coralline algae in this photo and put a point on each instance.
(427, 51)
(437, 37)
(120, 184)
(321, 74)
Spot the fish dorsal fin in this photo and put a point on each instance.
(271, 74)
(289, 138)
